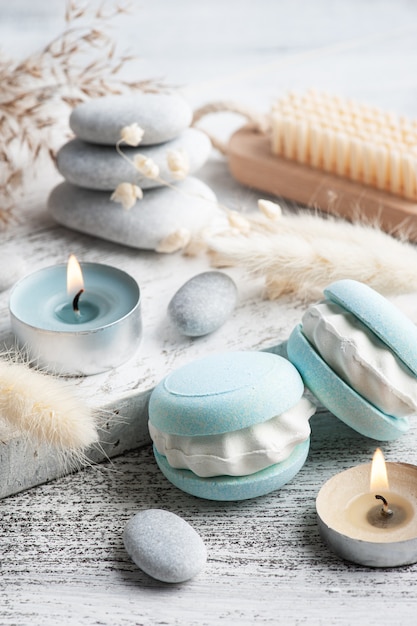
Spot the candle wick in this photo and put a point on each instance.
(75, 301)
(385, 511)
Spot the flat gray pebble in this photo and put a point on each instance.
(203, 303)
(101, 167)
(161, 212)
(164, 546)
(162, 116)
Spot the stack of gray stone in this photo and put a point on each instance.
(93, 169)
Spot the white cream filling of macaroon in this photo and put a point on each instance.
(240, 452)
(361, 359)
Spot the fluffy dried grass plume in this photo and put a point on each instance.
(299, 254)
(44, 409)
(37, 93)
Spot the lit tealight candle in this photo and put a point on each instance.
(368, 514)
(77, 320)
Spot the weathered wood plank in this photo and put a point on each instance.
(267, 564)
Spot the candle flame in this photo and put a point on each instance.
(379, 477)
(75, 280)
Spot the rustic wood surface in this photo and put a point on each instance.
(63, 560)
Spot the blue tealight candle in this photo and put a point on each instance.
(77, 326)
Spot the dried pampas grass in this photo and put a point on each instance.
(44, 409)
(299, 254)
(38, 93)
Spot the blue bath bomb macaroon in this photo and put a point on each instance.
(231, 426)
(357, 353)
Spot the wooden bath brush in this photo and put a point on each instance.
(344, 158)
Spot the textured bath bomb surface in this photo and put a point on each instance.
(102, 168)
(337, 396)
(224, 392)
(203, 303)
(162, 116)
(164, 546)
(231, 488)
(394, 328)
(161, 212)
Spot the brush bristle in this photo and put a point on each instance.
(342, 137)
(44, 408)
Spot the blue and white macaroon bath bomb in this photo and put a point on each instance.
(357, 353)
(231, 426)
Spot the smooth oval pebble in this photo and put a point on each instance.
(161, 212)
(203, 303)
(101, 167)
(164, 546)
(162, 116)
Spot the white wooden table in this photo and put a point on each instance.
(62, 555)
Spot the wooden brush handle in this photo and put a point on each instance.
(252, 163)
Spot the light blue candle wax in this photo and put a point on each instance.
(101, 335)
(41, 299)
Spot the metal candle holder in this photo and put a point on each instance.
(353, 530)
(101, 332)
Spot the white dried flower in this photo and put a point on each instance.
(174, 241)
(238, 222)
(127, 194)
(272, 210)
(132, 135)
(178, 163)
(146, 166)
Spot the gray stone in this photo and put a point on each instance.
(164, 546)
(161, 212)
(203, 303)
(101, 167)
(162, 116)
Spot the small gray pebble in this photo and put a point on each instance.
(203, 303)
(101, 167)
(162, 116)
(164, 546)
(161, 212)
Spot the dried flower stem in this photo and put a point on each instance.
(127, 193)
(38, 92)
(177, 164)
